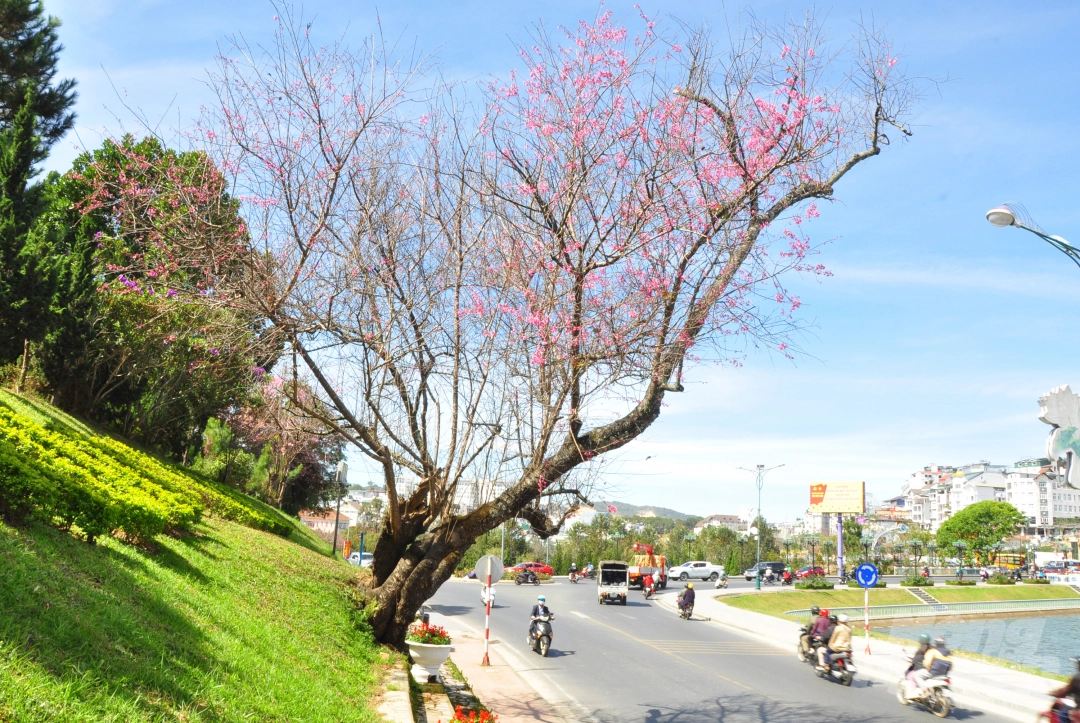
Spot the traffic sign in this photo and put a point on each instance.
(866, 575)
(496, 568)
(903, 528)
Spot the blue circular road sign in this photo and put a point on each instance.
(866, 575)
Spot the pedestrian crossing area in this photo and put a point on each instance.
(704, 647)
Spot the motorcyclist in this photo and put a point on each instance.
(839, 641)
(539, 610)
(936, 662)
(821, 624)
(686, 599)
(1070, 690)
(647, 584)
(573, 570)
(769, 574)
(917, 657)
(804, 639)
(589, 570)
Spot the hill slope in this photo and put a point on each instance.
(225, 610)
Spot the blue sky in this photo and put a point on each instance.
(938, 332)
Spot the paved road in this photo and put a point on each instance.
(642, 663)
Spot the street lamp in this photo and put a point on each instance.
(760, 480)
(866, 542)
(930, 547)
(1007, 215)
(618, 539)
(960, 546)
(812, 541)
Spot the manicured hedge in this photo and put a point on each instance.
(961, 583)
(102, 486)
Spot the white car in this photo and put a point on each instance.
(363, 559)
(696, 570)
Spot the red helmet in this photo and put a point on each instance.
(824, 612)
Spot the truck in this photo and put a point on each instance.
(612, 582)
(643, 563)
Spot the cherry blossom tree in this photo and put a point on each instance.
(485, 299)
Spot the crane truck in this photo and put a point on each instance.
(643, 563)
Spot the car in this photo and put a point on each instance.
(777, 567)
(696, 570)
(537, 567)
(363, 559)
(809, 571)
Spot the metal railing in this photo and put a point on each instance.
(962, 608)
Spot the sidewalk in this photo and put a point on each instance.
(498, 686)
(975, 685)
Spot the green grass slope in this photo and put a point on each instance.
(225, 623)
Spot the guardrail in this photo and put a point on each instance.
(963, 608)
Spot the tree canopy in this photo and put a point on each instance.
(29, 52)
(981, 525)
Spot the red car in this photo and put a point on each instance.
(807, 571)
(537, 567)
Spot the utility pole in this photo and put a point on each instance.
(339, 479)
(760, 477)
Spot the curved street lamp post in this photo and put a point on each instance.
(1012, 215)
(760, 481)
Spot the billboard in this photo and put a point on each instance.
(845, 497)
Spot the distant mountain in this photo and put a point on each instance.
(625, 509)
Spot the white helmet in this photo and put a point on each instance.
(842, 618)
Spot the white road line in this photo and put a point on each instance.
(580, 615)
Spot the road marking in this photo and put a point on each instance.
(628, 616)
(580, 615)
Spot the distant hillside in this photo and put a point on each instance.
(625, 509)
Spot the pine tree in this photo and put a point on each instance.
(27, 276)
(29, 51)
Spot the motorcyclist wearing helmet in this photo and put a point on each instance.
(936, 662)
(1070, 690)
(804, 638)
(839, 640)
(912, 684)
(539, 610)
(821, 624)
(686, 599)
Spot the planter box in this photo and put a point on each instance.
(428, 659)
(925, 584)
(961, 583)
(856, 586)
(1036, 582)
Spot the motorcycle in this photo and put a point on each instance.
(590, 574)
(540, 636)
(935, 695)
(1058, 711)
(788, 579)
(487, 593)
(526, 577)
(841, 667)
(721, 581)
(574, 577)
(648, 590)
(686, 611)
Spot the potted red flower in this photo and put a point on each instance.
(429, 647)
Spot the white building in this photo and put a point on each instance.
(732, 522)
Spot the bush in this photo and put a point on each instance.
(73, 479)
(916, 580)
(962, 583)
(853, 584)
(1036, 582)
(813, 582)
(999, 579)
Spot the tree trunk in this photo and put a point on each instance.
(25, 365)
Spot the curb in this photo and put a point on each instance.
(396, 705)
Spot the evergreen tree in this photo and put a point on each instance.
(26, 273)
(29, 51)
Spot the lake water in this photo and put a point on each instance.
(1045, 642)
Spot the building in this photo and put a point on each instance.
(732, 522)
(322, 521)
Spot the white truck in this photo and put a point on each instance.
(613, 581)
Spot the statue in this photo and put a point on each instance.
(1061, 410)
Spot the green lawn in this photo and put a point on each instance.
(778, 603)
(1001, 592)
(226, 624)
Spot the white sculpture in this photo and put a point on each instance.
(1061, 410)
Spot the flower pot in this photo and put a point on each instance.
(428, 659)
